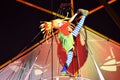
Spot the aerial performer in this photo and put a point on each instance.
(66, 35)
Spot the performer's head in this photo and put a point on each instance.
(57, 23)
(47, 27)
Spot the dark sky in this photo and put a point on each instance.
(19, 23)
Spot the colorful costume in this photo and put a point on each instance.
(65, 36)
(68, 42)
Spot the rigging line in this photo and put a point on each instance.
(10, 76)
(46, 61)
(78, 61)
(5, 68)
(52, 44)
(1, 70)
(58, 66)
(32, 66)
(26, 65)
(94, 62)
(22, 70)
(19, 72)
(47, 55)
(30, 42)
(13, 74)
(52, 56)
(59, 12)
(22, 53)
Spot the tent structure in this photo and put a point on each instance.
(42, 62)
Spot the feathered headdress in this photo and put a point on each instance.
(47, 27)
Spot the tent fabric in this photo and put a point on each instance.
(42, 63)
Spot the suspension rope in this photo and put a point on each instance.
(52, 44)
(30, 42)
(94, 62)
(78, 61)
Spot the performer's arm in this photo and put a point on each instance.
(73, 17)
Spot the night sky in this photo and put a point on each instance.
(19, 23)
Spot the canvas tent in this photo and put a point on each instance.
(41, 62)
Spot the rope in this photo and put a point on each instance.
(96, 66)
(30, 42)
(52, 44)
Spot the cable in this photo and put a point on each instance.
(94, 62)
(30, 42)
(52, 44)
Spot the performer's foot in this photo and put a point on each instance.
(83, 12)
(65, 73)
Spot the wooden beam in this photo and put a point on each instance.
(72, 7)
(40, 8)
(61, 16)
(111, 12)
(98, 8)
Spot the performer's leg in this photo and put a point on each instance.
(68, 61)
(81, 22)
(69, 58)
(64, 68)
(77, 28)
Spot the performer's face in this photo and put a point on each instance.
(57, 23)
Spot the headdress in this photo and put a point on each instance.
(47, 27)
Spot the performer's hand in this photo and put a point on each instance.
(78, 11)
(83, 12)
